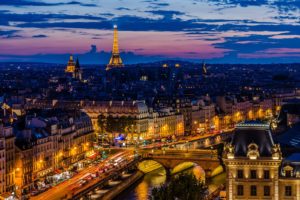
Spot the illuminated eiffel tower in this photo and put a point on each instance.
(115, 60)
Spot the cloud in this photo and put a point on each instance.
(93, 49)
(39, 36)
(122, 8)
(6, 33)
(90, 57)
(239, 27)
(39, 3)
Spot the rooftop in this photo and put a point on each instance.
(252, 132)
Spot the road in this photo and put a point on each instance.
(186, 139)
(65, 188)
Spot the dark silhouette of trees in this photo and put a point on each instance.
(181, 187)
(121, 124)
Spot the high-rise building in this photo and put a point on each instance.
(115, 60)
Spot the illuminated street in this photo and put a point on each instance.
(67, 187)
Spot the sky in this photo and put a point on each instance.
(217, 31)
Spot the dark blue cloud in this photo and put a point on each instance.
(8, 32)
(122, 8)
(39, 36)
(6, 17)
(167, 14)
(39, 3)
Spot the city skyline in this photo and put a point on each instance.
(216, 31)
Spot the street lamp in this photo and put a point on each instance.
(211, 148)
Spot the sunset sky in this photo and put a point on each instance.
(218, 31)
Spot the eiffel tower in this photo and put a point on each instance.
(115, 60)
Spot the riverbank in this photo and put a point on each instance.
(118, 189)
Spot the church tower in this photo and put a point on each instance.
(71, 65)
(115, 60)
(204, 69)
(77, 74)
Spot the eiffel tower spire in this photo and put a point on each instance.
(115, 60)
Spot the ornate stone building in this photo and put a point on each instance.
(255, 167)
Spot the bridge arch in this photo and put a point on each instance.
(148, 165)
(197, 170)
(151, 164)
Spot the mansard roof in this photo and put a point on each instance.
(252, 132)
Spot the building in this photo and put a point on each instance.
(255, 167)
(74, 69)
(204, 118)
(77, 74)
(7, 161)
(48, 144)
(165, 123)
(136, 121)
(289, 177)
(70, 66)
(115, 60)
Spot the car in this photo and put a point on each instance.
(35, 192)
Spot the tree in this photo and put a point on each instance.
(181, 187)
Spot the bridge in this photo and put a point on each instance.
(201, 141)
(170, 159)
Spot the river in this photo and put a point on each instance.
(142, 189)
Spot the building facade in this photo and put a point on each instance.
(255, 167)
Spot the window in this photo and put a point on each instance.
(253, 190)
(240, 173)
(253, 174)
(267, 191)
(266, 174)
(288, 173)
(240, 190)
(288, 190)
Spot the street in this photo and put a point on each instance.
(65, 188)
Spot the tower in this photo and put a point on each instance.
(77, 74)
(115, 60)
(204, 69)
(71, 65)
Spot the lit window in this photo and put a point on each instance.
(288, 173)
